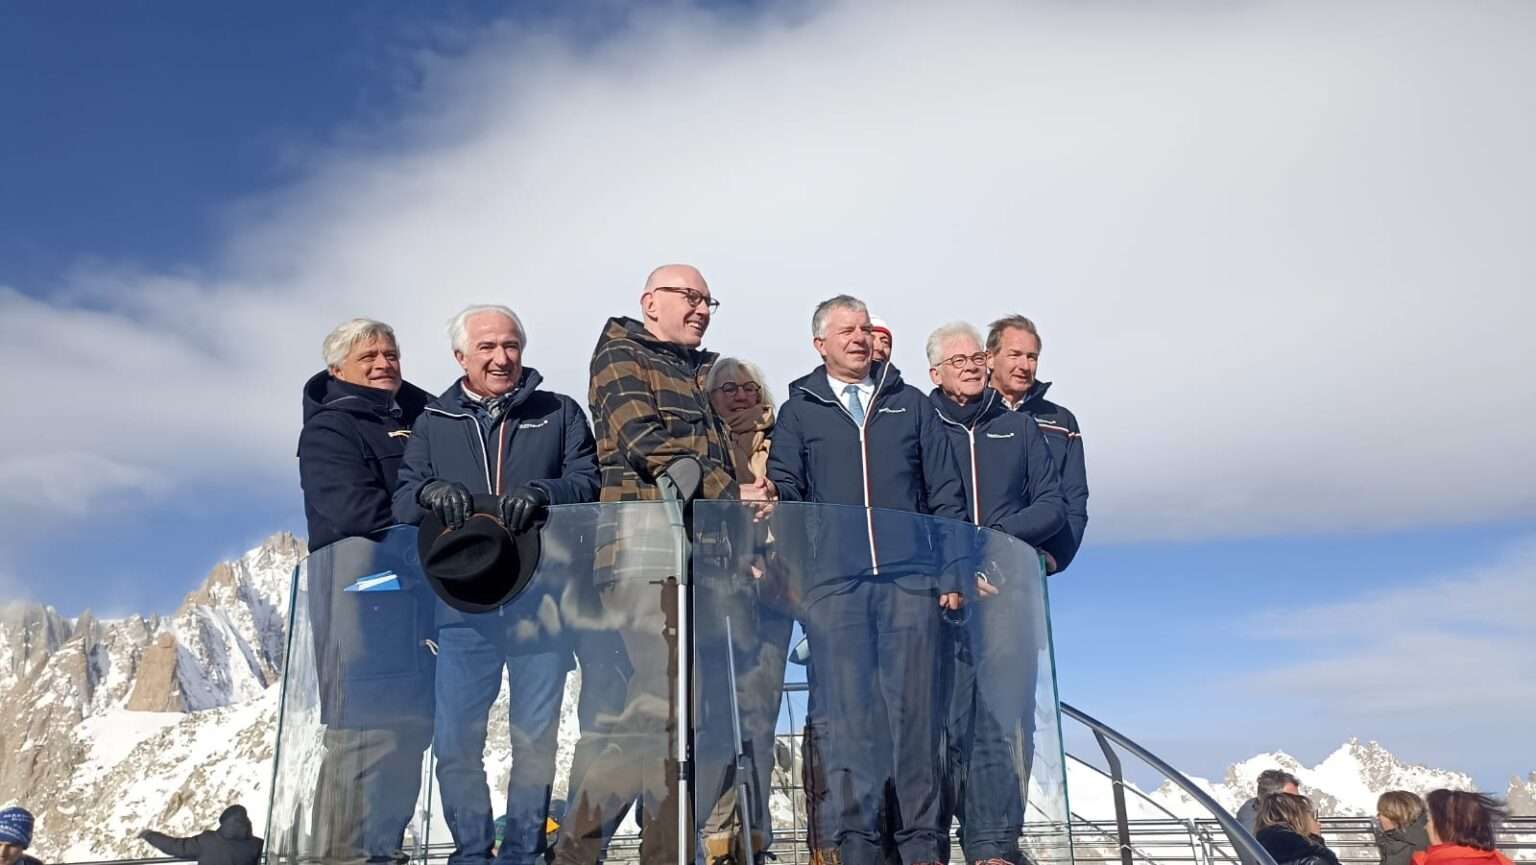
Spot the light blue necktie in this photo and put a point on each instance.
(855, 408)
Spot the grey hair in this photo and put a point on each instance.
(340, 342)
(728, 368)
(945, 332)
(823, 309)
(458, 329)
(995, 331)
(1274, 781)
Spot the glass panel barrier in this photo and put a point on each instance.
(932, 732)
(929, 734)
(380, 668)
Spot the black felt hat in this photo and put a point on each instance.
(480, 565)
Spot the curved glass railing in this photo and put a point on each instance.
(833, 710)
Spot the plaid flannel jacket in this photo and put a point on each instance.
(649, 407)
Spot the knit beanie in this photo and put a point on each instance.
(16, 827)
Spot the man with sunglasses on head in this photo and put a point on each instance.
(650, 409)
(1011, 487)
(496, 432)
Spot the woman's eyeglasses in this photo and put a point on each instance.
(730, 388)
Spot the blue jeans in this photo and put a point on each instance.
(469, 665)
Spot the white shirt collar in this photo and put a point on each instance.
(866, 387)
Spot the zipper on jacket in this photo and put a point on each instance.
(970, 433)
(869, 412)
(485, 457)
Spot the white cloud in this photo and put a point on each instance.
(1446, 667)
(1279, 251)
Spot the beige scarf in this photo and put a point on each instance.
(750, 431)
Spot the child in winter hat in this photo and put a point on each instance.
(16, 827)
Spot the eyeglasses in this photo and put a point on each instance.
(730, 388)
(960, 360)
(692, 296)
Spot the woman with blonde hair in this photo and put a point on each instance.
(742, 589)
(1401, 828)
(1286, 825)
(1461, 829)
(739, 395)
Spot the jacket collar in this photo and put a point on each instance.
(970, 415)
(886, 376)
(624, 327)
(455, 401)
(324, 392)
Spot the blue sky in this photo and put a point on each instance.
(1278, 253)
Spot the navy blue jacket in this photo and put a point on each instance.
(349, 455)
(1066, 442)
(1010, 480)
(541, 439)
(901, 460)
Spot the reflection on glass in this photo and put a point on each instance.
(904, 734)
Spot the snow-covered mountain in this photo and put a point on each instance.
(1346, 783)
(115, 726)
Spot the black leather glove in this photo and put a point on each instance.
(450, 500)
(522, 507)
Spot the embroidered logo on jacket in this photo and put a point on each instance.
(528, 424)
(891, 410)
(1000, 435)
(400, 434)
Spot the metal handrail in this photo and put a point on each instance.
(1106, 735)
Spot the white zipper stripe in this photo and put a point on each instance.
(485, 458)
(869, 514)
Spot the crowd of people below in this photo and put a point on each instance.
(1445, 827)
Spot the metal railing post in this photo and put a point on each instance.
(1122, 821)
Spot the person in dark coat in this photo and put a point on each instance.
(851, 433)
(1402, 827)
(1013, 346)
(650, 409)
(230, 844)
(495, 432)
(1011, 487)
(1287, 828)
(358, 413)
(373, 667)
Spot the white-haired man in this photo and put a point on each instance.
(495, 432)
(1011, 487)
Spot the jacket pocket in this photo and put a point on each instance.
(683, 420)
